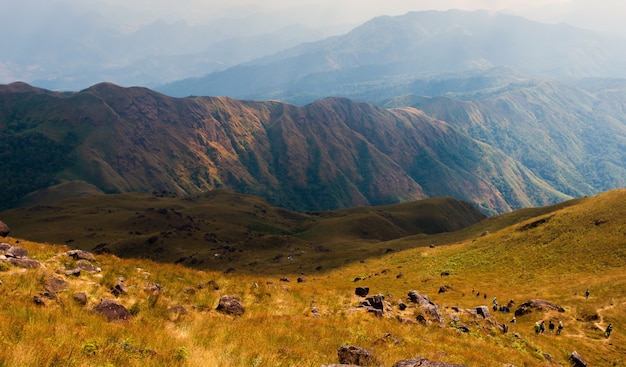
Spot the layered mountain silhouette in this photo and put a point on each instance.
(332, 153)
(390, 56)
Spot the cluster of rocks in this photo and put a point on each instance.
(17, 256)
(353, 356)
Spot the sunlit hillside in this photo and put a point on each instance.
(552, 253)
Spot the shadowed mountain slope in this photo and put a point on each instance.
(220, 229)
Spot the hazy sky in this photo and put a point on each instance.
(603, 15)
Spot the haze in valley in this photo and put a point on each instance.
(71, 44)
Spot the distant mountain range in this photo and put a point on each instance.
(536, 144)
(391, 56)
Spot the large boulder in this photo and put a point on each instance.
(577, 360)
(349, 354)
(81, 255)
(56, 285)
(537, 304)
(420, 299)
(231, 305)
(25, 263)
(112, 310)
(16, 252)
(424, 362)
(4, 229)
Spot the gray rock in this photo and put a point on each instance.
(483, 311)
(16, 252)
(25, 263)
(56, 285)
(4, 229)
(537, 304)
(349, 354)
(80, 254)
(80, 298)
(112, 310)
(231, 305)
(424, 362)
(577, 360)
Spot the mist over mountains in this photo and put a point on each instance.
(390, 56)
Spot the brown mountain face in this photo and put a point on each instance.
(330, 154)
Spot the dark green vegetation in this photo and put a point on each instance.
(222, 230)
(526, 144)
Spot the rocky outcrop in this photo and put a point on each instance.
(537, 304)
(25, 263)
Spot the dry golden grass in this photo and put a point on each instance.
(581, 245)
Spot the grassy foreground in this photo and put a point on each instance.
(547, 253)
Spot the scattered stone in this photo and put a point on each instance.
(38, 301)
(72, 272)
(87, 266)
(445, 274)
(537, 304)
(301, 279)
(376, 301)
(80, 298)
(153, 289)
(483, 311)
(444, 289)
(81, 255)
(4, 247)
(284, 279)
(56, 285)
(112, 310)
(349, 354)
(401, 305)
(189, 290)
(362, 291)
(119, 288)
(424, 362)
(213, 284)
(16, 252)
(26, 263)
(231, 305)
(4, 229)
(577, 360)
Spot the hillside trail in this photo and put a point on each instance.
(600, 324)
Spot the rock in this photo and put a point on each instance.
(4, 229)
(401, 305)
(231, 305)
(444, 288)
(483, 311)
(349, 354)
(418, 298)
(112, 310)
(38, 301)
(26, 263)
(4, 247)
(87, 266)
(424, 362)
(72, 272)
(81, 255)
(537, 304)
(56, 285)
(577, 360)
(213, 284)
(284, 279)
(376, 301)
(301, 279)
(362, 291)
(80, 298)
(189, 290)
(16, 252)
(119, 288)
